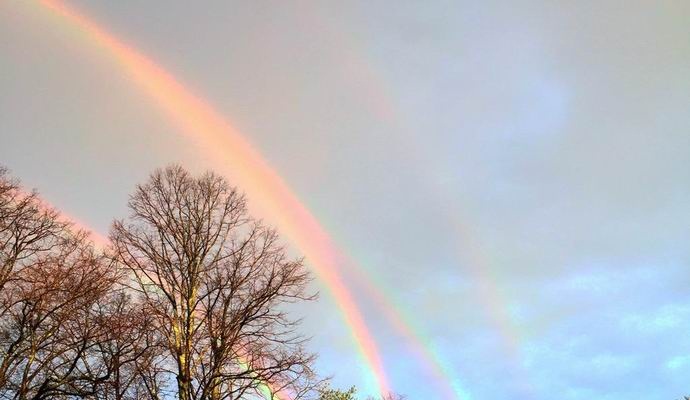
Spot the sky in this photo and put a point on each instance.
(511, 179)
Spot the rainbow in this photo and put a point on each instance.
(98, 240)
(451, 387)
(268, 193)
(249, 170)
(265, 388)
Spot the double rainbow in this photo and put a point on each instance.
(235, 157)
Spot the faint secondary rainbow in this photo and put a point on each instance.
(478, 262)
(379, 99)
(265, 188)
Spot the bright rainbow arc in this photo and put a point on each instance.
(263, 185)
(403, 323)
(160, 85)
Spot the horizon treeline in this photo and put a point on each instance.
(186, 300)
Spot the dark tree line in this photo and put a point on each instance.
(186, 302)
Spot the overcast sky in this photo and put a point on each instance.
(515, 175)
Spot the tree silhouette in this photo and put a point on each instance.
(214, 280)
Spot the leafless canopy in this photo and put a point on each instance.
(188, 301)
(51, 283)
(214, 281)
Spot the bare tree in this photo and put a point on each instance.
(215, 282)
(50, 280)
(28, 229)
(203, 303)
(130, 350)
